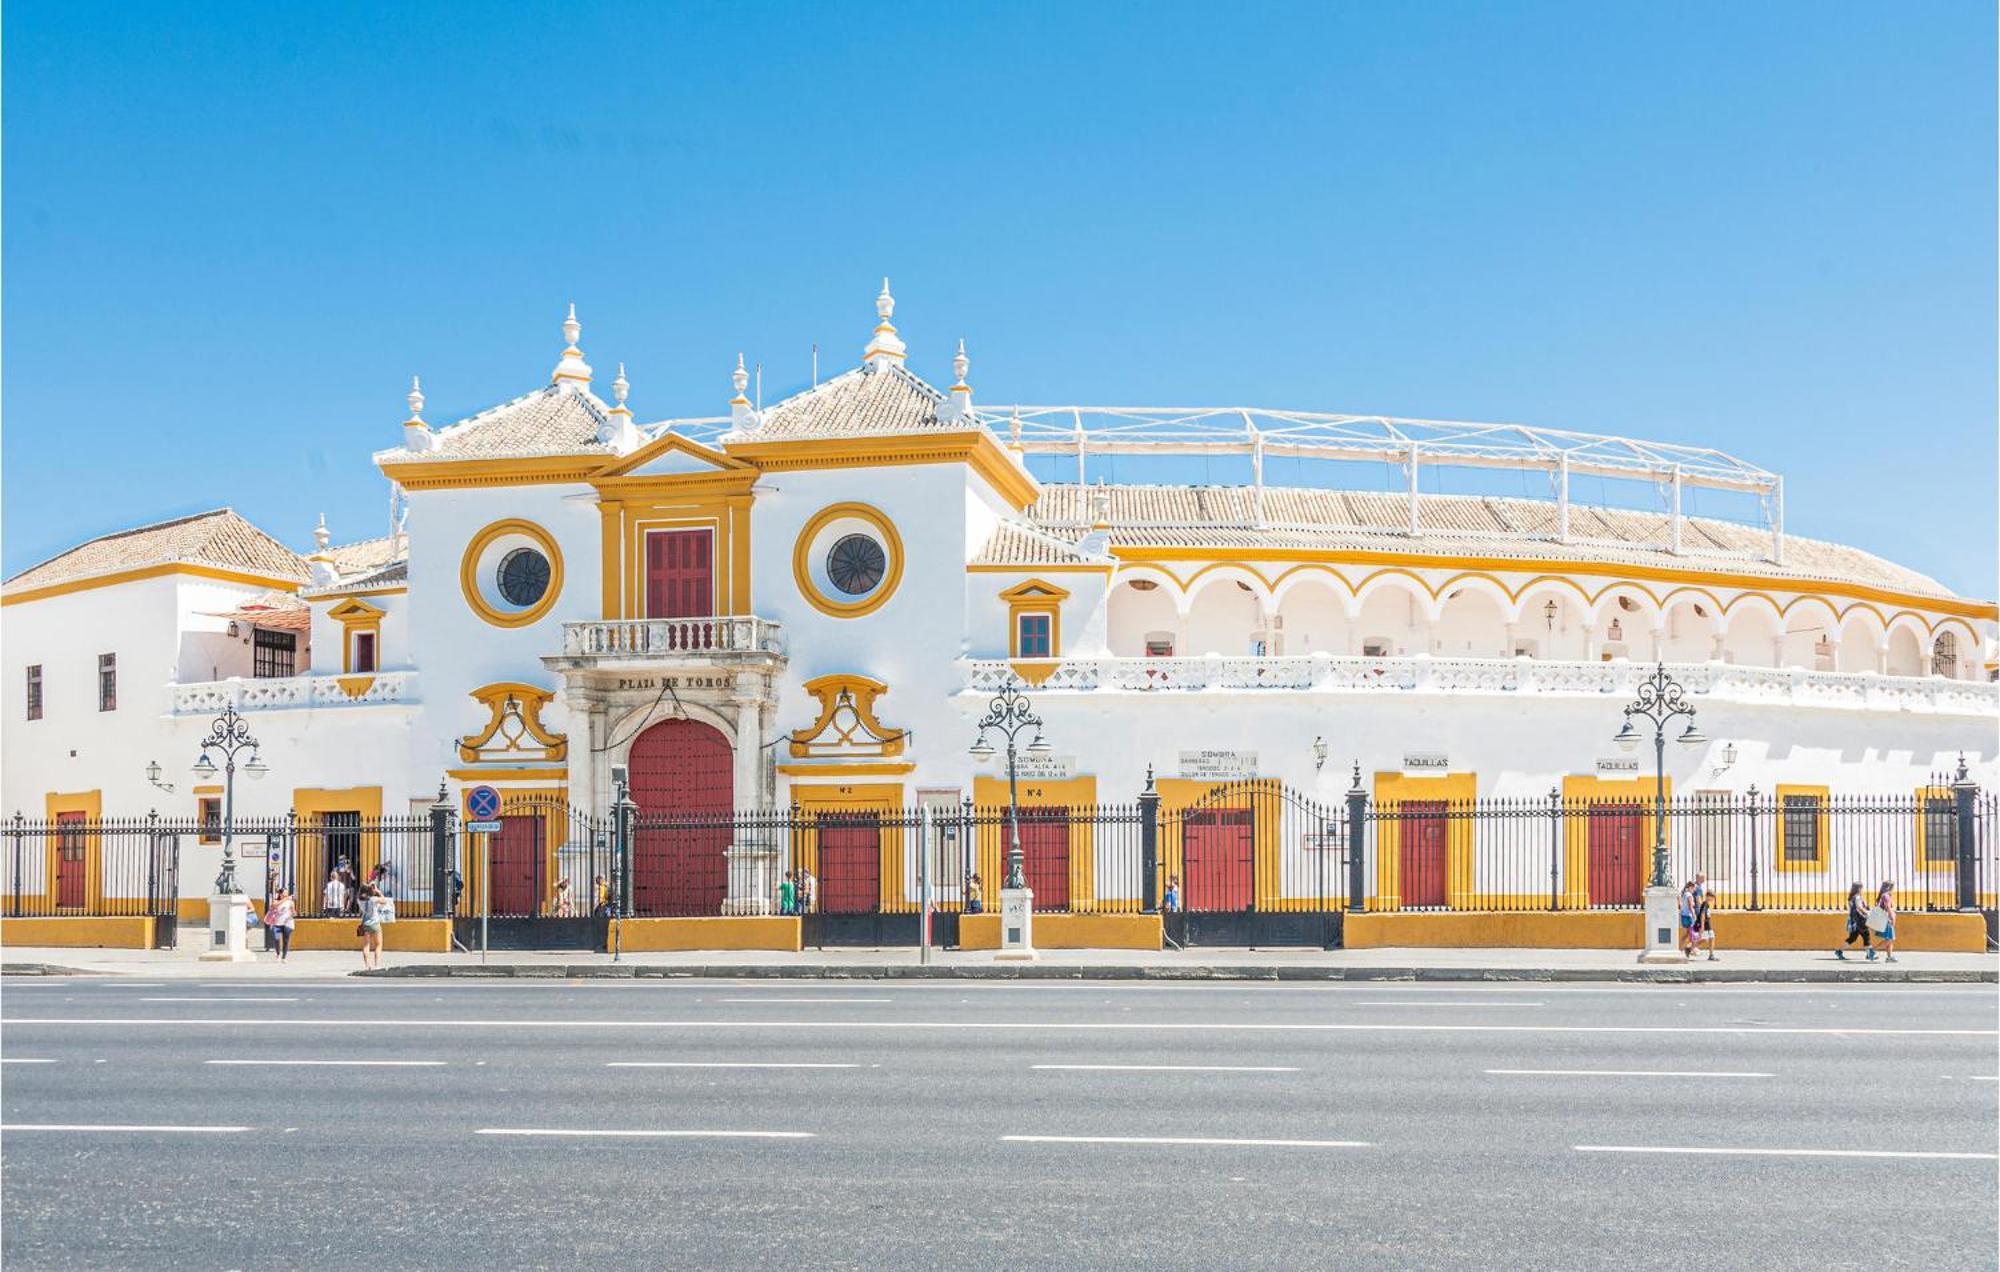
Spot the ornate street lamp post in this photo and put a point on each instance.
(1660, 699)
(229, 734)
(1009, 717)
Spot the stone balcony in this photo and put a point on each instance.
(293, 693)
(610, 652)
(1327, 673)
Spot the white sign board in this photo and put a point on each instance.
(1044, 767)
(1218, 765)
(1619, 764)
(1426, 762)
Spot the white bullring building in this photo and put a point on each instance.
(811, 604)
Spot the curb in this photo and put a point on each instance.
(43, 969)
(1030, 971)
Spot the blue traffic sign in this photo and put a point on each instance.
(482, 803)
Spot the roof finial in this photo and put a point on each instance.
(620, 387)
(959, 405)
(741, 379)
(885, 348)
(742, 416)
(960, 364)
(572, 367)
(416, 400)
(321, 535)
(1100, 506)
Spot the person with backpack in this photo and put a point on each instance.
(1885, 911)
(1857, 925)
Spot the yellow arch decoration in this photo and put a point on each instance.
(528, 740)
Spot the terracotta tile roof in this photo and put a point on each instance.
(395, 574)
(281, 611)
(864, 402)
(554, 420)
(219, 539)
(1221, 519)
(368, 554)
(1015, 544)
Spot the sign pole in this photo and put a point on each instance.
(485, 888)
(924, 882)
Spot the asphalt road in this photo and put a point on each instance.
(995, 1125)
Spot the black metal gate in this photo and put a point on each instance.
(1252, 863)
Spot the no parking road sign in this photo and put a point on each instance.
(482, 803)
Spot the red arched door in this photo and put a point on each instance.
(683, 781)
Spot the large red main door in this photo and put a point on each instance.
(1616, 851)
(1421, 827)
(684, 785)
(680, 574)
(517, 858)
(850, 863)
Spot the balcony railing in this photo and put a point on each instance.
(289, 693)
(673, 638)
(1326, 673)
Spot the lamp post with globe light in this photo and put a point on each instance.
(227, 907)
(1660, 699)
(1009, 716)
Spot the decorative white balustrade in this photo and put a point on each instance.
(672, 638)
(290, 693)
(1326, 673)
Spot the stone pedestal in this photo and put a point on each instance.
(753, 880)
(228, 929)
(1663, 923)
(1017, 925)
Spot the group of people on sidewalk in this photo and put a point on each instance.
(1868, 924)
(1697, 906)
(798, 892)
(372, 909)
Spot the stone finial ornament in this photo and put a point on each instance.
(885, 347)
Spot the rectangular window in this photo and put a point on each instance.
(1159, 647)
(35, 692)
(208, 811)
(1711, 815)
(1035, 634)
(275, 654)
(107, 682)
(1802, 828)
(1940, 820)
(364, 653)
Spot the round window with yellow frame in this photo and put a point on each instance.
(848, 560)
(511, 573)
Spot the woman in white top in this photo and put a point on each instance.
(278, 922)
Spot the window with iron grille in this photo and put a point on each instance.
(209, 814)
(1940, 821)
(1802, 827)
(274, 653)
(35, 692)
(107, 682)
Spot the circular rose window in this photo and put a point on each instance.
(856, 563)
(524, 577)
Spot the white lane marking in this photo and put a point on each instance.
(211, 998)
(383, 1064)
(509, 1130)
(1627, 1073)
(1174, 1068)
(1781, 1152)
(1985, 1077)
(23, 1060)
(1449, 1002)
(722, 1064)
(79, 1126)
(814, 1001)
(1177, 1026)
(1182, 1139)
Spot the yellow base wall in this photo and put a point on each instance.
(1605, 930)
(412, 936)
(1068, 931)
(747, 932)
(77, 933)
(1800, 930)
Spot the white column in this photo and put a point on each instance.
(752, 879)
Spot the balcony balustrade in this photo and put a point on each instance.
(291, 693)
(1327, 673)
(727, 638)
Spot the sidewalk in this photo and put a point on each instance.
(902, 963)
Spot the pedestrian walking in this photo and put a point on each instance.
(1703, 929)
(975, 895)
(1687, 919)
(370, 928)
(334, 899)
(808, 891)
(562, 905)
(1857, 925)
(278, 916)
(1172, 900)
(788, 895)
(1883, 919)
(600, 897)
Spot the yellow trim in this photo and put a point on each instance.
(1069, 931)
(746, 932)
(91, 805)
(1034, 596)
(461, 474)
(204, 795)
(355, 686)
(802, 560)
(676, 444)
(77, 932)
(508, 774)
(879, 742)
(1604, 569)
(468, 573)
(1067, 567)
(1180, 794)
(549, 802)
(148, 572)
(1821, 849)
(312, 804)
(1393, 789)
(841, 771)
(1588, 788)
(857, 797)
(1921, 863)
(398, 589)
(975, 448)
(357, 618)
(1078, 794)
(473, 747)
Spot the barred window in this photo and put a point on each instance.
(107, 682)
(1801, 814)
(274, 654)
(209, 814)
(1711, 814)
(1940, 821)
(35, 692)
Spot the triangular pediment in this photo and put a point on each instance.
(1034, 590)
(354, 611)
(671, 455)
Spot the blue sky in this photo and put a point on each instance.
(232, 232)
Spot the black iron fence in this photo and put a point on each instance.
(91, 866)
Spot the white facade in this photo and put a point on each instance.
(1510, 655)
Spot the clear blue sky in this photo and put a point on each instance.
(233, 231)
